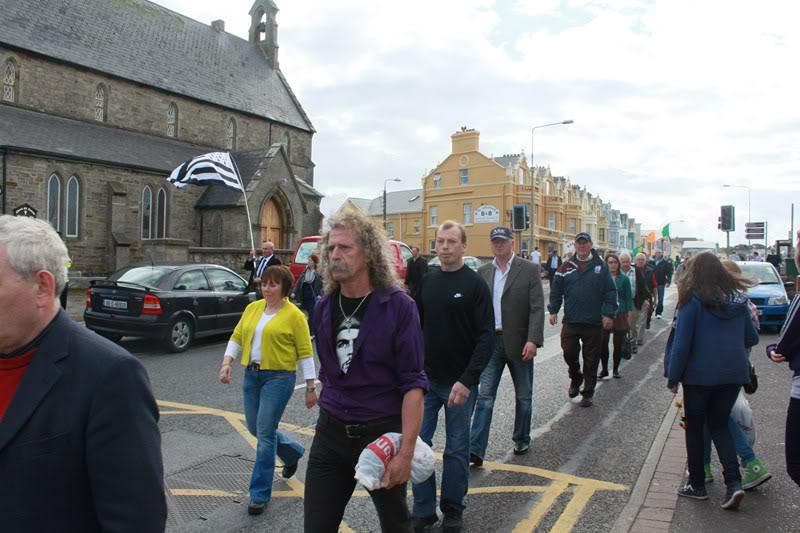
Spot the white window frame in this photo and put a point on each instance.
(437, 181)
(463, 176)
(172, 120)
(100, 99)
(10, 77)
(434, 215)
(467, 210)
(551, 220)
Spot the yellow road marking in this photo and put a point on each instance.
(583, 488)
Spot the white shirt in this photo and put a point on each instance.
(262, 265)
(554, 262)
(536, 257)
(497, 290)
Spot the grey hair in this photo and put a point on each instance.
(32, 245)
(625, 254)
(641, 254)
(373, 242)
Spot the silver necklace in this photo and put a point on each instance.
(348, 320)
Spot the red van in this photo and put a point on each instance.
(398, 251)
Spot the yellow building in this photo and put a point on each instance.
(481, 192)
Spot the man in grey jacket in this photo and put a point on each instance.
(518, 301)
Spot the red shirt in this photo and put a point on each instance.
(11, 372)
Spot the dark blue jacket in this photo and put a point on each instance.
(588, 296)
(708, 345)
(789, 339)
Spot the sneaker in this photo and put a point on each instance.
(617, 374)
(733, 497)
(452, 523)
(256, 507)
(755, 473)
(289, 470)
(574, 388)
(586, 401)
(687, 491)
(658, 317)
(475, 459)
(635, 347)
(603, 374)
(420, 523)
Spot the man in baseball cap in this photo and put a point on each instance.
(518, 303)
(589, 294)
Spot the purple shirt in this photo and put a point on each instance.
(387, 358)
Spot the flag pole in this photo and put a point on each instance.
(246, 207)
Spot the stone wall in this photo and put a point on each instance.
(69, 91)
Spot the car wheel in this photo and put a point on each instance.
(180, 334)
(113, 337)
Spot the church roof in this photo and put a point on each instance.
(38, 132)
(143, 42)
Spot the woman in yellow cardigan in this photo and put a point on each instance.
(270, 340)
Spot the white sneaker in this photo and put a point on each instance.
(658, 317)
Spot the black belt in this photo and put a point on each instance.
(357, 430)
(498, 332)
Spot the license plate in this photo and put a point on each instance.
(115, 304)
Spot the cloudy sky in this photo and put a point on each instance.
(671, 98)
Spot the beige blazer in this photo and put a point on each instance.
(521, 305)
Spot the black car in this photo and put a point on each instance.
(172, 303)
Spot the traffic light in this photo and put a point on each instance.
(727, 221)
(518, 217)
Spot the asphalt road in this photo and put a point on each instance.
(577, 477)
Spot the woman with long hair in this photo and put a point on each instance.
(309, 287)
(270, 341)
(706, 353)
(620, 329)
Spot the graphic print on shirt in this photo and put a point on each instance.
(346, 341)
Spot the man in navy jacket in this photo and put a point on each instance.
(80, 449)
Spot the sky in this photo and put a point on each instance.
(671, 99)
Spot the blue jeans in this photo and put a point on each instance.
(660, 306)
(522, 375)
(743, 450)
(455, 472)
(266, 393)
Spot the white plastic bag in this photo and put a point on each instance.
(742, 414)
(374, 458)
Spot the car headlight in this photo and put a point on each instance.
(777, 300)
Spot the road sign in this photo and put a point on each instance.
(754, 231)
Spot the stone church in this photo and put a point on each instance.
(101, 100)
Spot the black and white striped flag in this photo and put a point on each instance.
(206, 169)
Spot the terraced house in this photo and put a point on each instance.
(102, 99)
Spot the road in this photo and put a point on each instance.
(578, 476)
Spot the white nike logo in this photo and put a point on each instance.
(457, 295)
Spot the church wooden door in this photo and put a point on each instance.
(272, 222)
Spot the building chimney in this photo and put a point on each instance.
(465, 140)
(218, 25)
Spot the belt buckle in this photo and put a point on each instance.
(352, 431)
(255, 366)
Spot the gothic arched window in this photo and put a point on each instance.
(100, 102)
(172, 120)
(73, 206)
(160, 222)
(54, 201)
(10, 76)
(147, 212)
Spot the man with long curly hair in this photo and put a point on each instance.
(369, 344)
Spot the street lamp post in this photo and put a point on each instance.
(387, 180)
(531, 215)
(728, 186)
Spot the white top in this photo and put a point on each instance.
(536, 257)
(631, 273)
(233, 349)
(497, 290)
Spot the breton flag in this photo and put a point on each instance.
(206, 169)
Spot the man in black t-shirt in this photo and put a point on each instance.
(458, 328)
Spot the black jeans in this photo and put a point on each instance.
(793, 440)
(619, 336)
(330, 482)
(710, 405)
(577, 338)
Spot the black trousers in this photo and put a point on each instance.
(577, 338)
(710, 405)
(619, 336)
(330, 482)
(793, 440)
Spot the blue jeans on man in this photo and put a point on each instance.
(266, 393)
(522, 376)
(455, 472)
